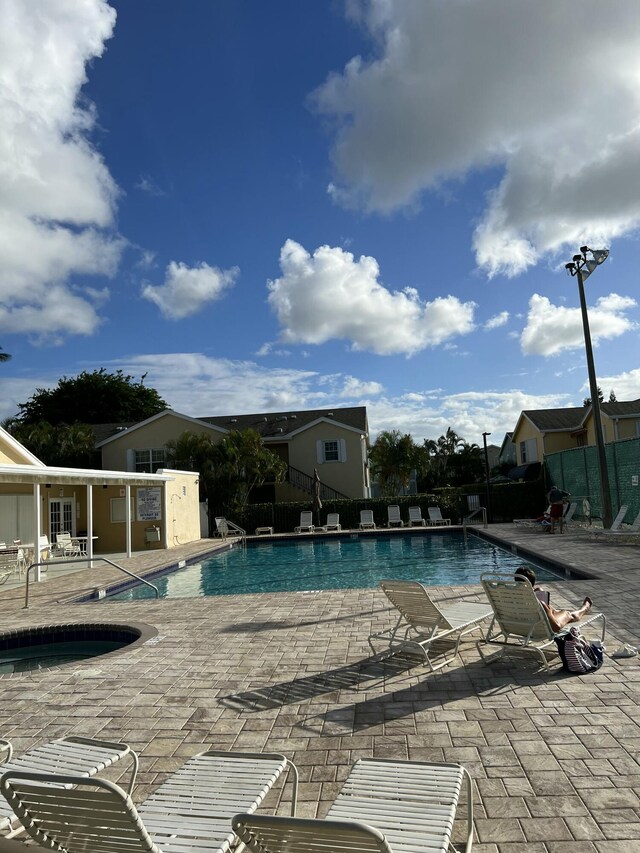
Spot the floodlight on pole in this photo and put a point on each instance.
(487, 475)
(581, 268)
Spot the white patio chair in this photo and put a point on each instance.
(191, 811)
(619, 532)
(415, 517)
(394, 519)
(306, 523)
(519, 619)
(384, 806)
(421, 622)
(366, 520)
(435, 517)
(65, 546)
(333, 522)
(82, 757)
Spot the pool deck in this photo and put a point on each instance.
(555, 758)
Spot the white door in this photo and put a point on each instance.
(61, 517)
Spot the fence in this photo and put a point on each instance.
(577, 472)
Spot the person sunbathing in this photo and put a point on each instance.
(558, 619)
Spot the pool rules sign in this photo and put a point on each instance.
(149, 505)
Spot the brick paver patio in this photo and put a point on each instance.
(554, 757)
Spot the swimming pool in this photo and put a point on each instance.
(348, 562)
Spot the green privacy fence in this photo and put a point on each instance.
(576, 471)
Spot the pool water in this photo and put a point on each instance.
(342, 563)
(45, 655)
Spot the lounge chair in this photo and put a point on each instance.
(435, 517)
(191, 811)
(632, 531)
(415, 517)
(306, 523)
(519, 620)
(226, 528)
(333, 522)
(82, 757)
(384, 806)
(393, 516)
(366, 520)
(421, 621)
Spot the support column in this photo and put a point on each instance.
(90, 524)
(37, 521)
(127, 515)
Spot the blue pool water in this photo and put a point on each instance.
(340, 563)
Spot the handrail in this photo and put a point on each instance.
(467, 519)
(83, 560)
(229, 527)
(306, 483)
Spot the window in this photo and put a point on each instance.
(148, 461)
(581, 439)
(331, 451)
(118, 508)
(528, 451)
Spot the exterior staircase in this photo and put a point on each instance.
(299, 480)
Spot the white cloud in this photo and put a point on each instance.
(356, 388)
(626, 385)
(331, 295)
(57, 198)
(458, 87)
(498, 320)
(551, 329)
(146, 184)
(187, 290)
(198, 385)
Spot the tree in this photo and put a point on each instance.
(392, 459)
(451, 461)
(228, 469)
(587, 400)
(4, 356)
(58, 446)
(95, 397)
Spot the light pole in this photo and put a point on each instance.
(581, 267)
(486, 473)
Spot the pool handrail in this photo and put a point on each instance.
(468, 518)
(83, 560)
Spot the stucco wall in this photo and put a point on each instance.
(346, 477)
(526, 431)
(151, 436)
(183, 508)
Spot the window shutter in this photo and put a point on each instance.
(131, 460)
(320, 451)
(343, 450)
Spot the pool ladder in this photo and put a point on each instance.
(469, 521)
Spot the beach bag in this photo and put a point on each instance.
(577, 654)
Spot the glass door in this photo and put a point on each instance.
(61, 517)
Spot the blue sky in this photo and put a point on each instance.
(287, 205)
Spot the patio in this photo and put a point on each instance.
(554, 757)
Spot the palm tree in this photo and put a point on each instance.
(4, 356)
(392, 459)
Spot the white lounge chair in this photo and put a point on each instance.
(632, 531)
(384, 806)
(435, 517)
(366, 520)
(333, 522)
(81, 757)
(421, 621)
(191, 811)
(394, 518)
(226, 528)
(415, 517)
(306, 523)
(616, 524)
(519, 620)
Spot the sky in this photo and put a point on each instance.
(266, 205)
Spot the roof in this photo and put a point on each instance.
(625, 409)
(84, 476)
(281, 424)
(268, 425)
(548, 420)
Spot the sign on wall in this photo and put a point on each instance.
(149, 504)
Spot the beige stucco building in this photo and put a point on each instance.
(109, 511)
(543, 431)
(333, 441)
